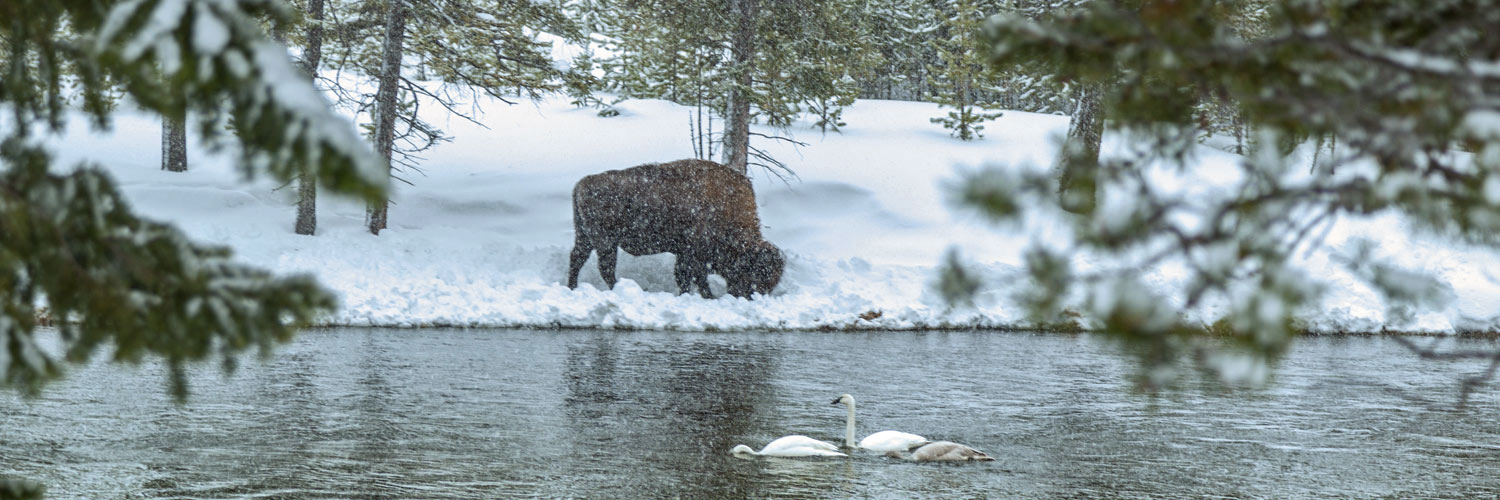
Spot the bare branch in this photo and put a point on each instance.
(447, 104)
(773, 166)
(779, 138)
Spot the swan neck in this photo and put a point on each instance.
(849, 427)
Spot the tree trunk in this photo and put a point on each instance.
(737, 120)
(174, 142)
(1078, 163)
(1238, 124)
(307, 184)
(385, 101)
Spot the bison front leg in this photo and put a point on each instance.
(739, 289)
(700, 275)
(689, 272)
(682, 275)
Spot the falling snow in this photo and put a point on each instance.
(483, 239)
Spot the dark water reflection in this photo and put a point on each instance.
(543, 414)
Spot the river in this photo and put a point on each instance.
(358, 413)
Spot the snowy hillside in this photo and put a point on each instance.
(482, 238)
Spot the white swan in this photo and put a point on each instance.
(792, 446)
(888, 442)
(948, 451)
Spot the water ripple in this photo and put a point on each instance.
(554, 414)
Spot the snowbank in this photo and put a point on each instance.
(482, 237)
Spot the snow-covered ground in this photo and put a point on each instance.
(482, 238)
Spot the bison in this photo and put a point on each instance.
(700, 211)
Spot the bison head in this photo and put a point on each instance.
(756, 270)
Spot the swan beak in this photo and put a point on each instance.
(836, 400)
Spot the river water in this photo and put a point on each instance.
(352, 413)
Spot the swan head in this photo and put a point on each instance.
(844, 399)
(741, 449)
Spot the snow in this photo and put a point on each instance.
(210, 36)
(482, 239)
(156, 32)
(1482, 123)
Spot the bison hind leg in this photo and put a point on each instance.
(608, 255)
(580, 255)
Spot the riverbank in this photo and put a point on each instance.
(481, 235)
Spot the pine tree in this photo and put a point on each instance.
(637, 37)
(903, 34)
(1077, 164)
(743, 16)
(1399, 85)
(468, 48)
(827, 106)
(670, 50)
(174, 142)
(581, 84)
(834, 62)
(1022, 87)
(1218, 115)
(579, 80)
(746, 60)
(138, 286)
(312, 57)
(385, 98)
(964, 74)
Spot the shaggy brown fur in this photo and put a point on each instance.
(700, 211)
